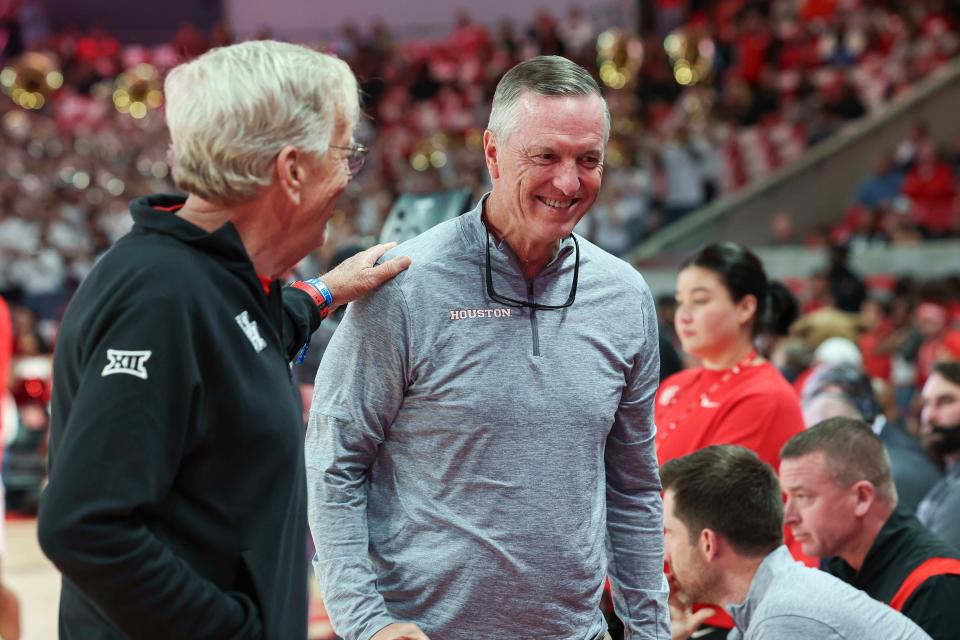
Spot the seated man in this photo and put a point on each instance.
(842, 504)
(940, 430)
(723, 524)
(846, 391)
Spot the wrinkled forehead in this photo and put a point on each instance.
(811, 469)
(571, 120)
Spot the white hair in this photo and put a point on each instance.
(551, 76)
(233, 109)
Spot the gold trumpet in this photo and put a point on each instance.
(31, 79)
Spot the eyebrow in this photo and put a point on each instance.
(535, 148)
(940, 397)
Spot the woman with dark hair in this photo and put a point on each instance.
(735, 396)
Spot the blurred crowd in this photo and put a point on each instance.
(706, 97)
(911, 195)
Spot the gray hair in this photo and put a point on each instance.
(552, 76)
(233, 109)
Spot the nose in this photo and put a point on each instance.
(789, 513)
(929, 415)
(566, 179)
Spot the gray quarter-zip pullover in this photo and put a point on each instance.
(479, 469)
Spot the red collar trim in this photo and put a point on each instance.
(265, 281)
(175, 207)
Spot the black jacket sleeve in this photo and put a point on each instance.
(131, 419)
(933, 606)
(301, 318)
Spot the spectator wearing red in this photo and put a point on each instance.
(817, 295)
(876, 358)
(940, 342)
(751, 46)
(817, 9)
(931, 187)
(735, 396)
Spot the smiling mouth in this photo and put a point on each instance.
(558, 204)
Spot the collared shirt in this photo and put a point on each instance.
(788, 600)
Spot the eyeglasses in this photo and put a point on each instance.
(355, 154)
(510, 302)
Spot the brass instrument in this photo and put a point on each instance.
(619, 56)
(138, 91)
(31, 79)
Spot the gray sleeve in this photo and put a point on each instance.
(790, 627)
(634, 507)
(358, 392)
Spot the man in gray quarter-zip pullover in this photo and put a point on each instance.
(477, 473)
(724, 531)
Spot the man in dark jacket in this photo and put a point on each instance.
(176, 506)
(842, 505)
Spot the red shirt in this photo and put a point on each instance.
(756, 408)
(932, 191)
(934, 350)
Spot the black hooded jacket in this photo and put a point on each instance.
(176, 506)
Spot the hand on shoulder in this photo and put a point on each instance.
(360, 274)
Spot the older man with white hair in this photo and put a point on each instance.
(176, 506)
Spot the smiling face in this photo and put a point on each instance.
(547, 171)
(820, 514)
(707, 320)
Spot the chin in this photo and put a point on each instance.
(690, 348)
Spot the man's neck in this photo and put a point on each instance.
(533, 254)
(856, 550)
(737, 580)
(260, 248)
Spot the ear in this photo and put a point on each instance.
(291, 173)
(708, 543)
(490, 150)
(864, 494)
(746, 308)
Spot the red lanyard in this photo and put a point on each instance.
(704, 400)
